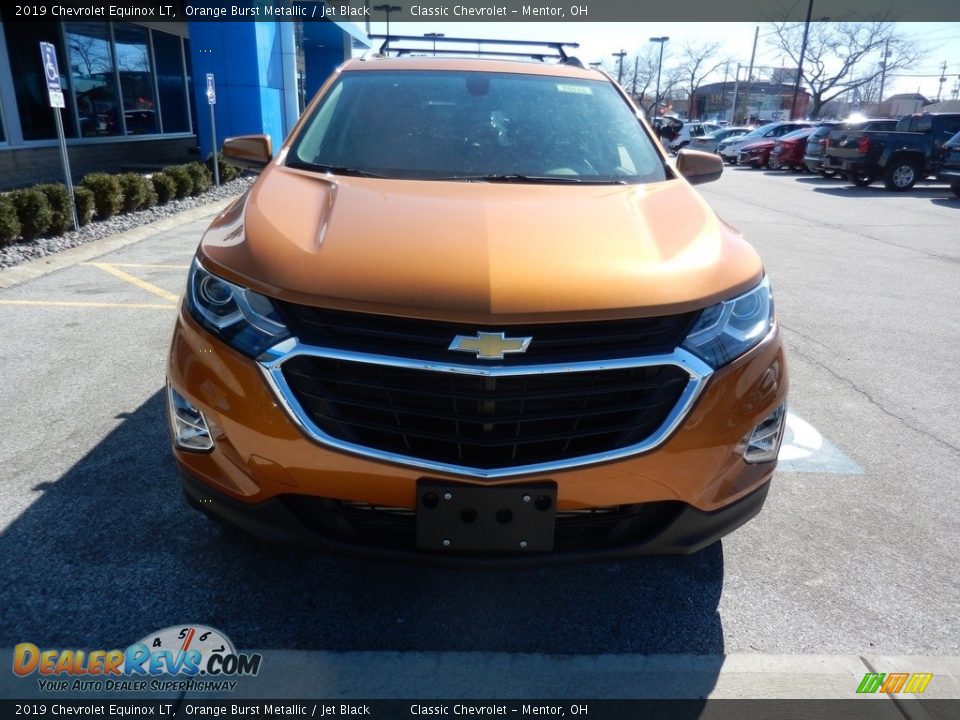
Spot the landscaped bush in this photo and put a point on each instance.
(33, 211)
(227, 171)
(83, 201)
(151, 194)
(202, 177)
(183, 179)
(9, 222)
(107, 194)
(134, 189)
(59, 198)
(164, 186)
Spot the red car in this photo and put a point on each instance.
(789, 150)
(756, 153)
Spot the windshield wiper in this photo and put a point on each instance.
(333, 169)
(518, 178)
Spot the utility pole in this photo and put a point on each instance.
(943, 79)
(803, 51)
(636, 66)
(753, 55)
(620, 55)
(883, 71)
(656, 103)
(736, 89)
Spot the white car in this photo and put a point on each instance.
(689, 131)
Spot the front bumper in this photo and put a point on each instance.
(333, 527)
(261, 460)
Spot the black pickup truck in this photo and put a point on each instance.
(900, 157)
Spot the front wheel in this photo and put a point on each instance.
(901, 175)
(860, 179)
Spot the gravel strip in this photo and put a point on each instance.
(22, 251)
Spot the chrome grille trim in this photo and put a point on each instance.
(271, 366)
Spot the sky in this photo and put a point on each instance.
(598, 41)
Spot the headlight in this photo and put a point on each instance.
(243, 319)
(725, 331)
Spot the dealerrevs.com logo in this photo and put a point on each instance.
(204, 659)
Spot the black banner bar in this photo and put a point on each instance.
(477, 10)
(854, 709)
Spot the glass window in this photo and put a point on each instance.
(33, 105)
(170, 82)
(136, 79)
(464, 125)
(189, 65)
(94, 82)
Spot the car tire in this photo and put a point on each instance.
(901, 175)
(828, 173)
(955, 189)
(860, 179)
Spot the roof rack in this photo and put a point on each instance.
(430, 42)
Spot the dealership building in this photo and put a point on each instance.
(135, 94)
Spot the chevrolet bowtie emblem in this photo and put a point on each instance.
(490, 346)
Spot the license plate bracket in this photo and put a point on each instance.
(456, 517)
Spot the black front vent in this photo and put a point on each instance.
(484, 422)
(430, 340)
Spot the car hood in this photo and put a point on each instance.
(476, 250)
(757, 145)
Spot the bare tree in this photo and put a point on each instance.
(836, 53)
(697, 63)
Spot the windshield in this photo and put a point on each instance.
(460, 125)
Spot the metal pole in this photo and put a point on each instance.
(636, 65)
(66, 167)
(620, 55)
(803, 51)
(753, 56)
(656, 102)
(883, 74)
(736, 89)
(213, 137)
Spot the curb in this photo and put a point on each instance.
(32, 269)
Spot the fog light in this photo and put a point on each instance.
(190, 430)
(764, 442)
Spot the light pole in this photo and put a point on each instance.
(620, 55)
(388, 9)
(434, 36)
(656, 103)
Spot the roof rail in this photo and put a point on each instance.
(431, 42)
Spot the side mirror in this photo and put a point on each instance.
(248, 152)
(699, 167)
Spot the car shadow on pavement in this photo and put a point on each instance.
(879, 191)
(110, 552)
(950, 202)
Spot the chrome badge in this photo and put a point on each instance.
(490, 346)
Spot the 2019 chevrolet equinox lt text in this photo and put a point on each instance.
(469, 312)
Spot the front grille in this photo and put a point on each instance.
(430, 339)
(482, 421)
(375, 525)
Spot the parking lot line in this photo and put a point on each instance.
(147, 265)
(142, 284)
(82, 303)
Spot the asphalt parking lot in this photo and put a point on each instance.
(854, 553)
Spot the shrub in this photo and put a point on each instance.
(33, 211)
(227, 171)
(9, 222)
(151, 194)
(182, 178)
(135, 190)
(83, 200)
(164, 186)
(59, 199)
(202, 178)
(107, 193)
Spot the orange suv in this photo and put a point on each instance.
(469, 312)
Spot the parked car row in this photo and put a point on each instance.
(900, 152)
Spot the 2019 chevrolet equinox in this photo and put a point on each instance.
(469, 312)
